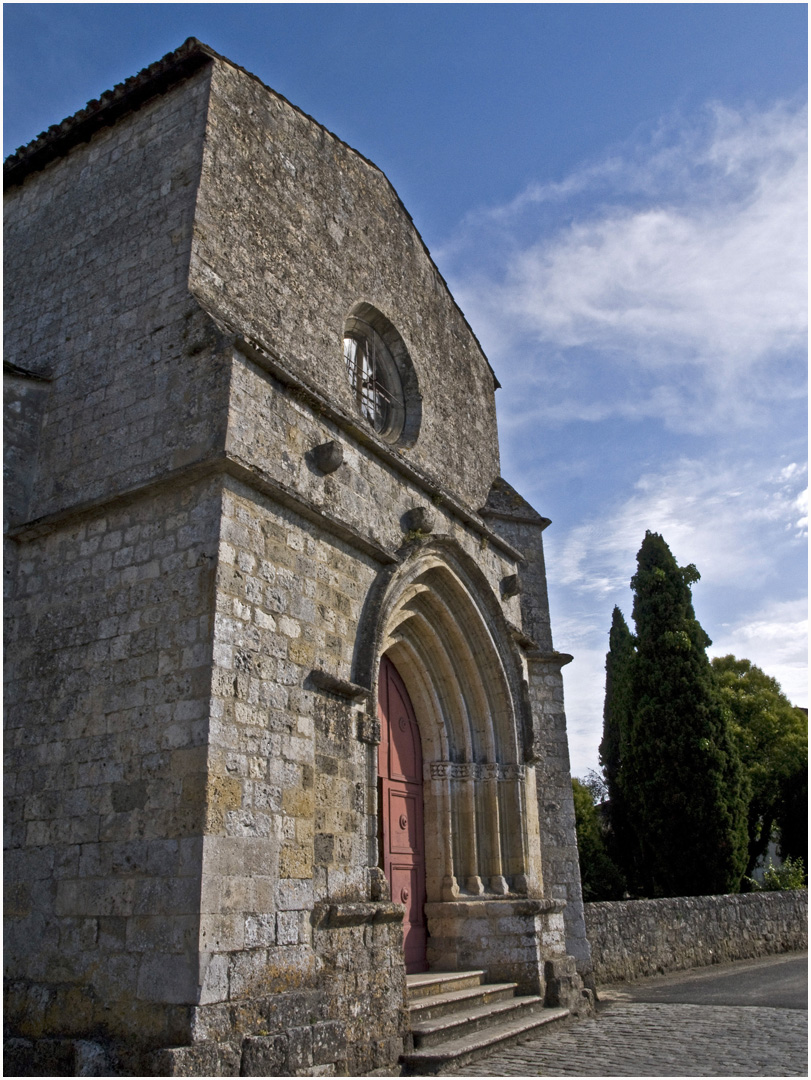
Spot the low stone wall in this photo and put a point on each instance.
(634, 938)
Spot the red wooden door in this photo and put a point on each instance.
(403, 843)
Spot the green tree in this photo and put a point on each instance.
(684, 787)
(792, 813)
(791, 875)
(599, 875)
(614, 745)
(771, 737)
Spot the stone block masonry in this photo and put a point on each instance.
(106, 724)
(134, 389)
(631, 939)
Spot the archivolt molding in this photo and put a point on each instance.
(492, 635)
(437, 618)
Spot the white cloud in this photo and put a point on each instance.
(584, 691)
(683, 265)
(776, 639)
(801, 505)
(712, 513)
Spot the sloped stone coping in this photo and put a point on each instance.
(496, 906)
(323, 680)
(559, 659)
(355, 913)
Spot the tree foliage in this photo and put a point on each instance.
(681, 783)
(771, 737)
(792, 815)
(791, 875)
(600, 877)
(614, 745)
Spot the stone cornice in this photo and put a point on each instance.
(213, 466)
(10, 368)
(505, 504)
(555, 659)
(355, 913)
(219, 464)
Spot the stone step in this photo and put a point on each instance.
(472, 1018)
(434, 1005)
(431, 983)
(453, 1053)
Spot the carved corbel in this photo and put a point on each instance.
(328, 456)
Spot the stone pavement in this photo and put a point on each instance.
(656, 1038)
(662, 1040)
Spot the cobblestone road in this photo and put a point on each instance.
(634, 1039)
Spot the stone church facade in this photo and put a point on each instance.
(284, 720)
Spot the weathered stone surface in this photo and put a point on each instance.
(419, 519)
(265, 1055)
(205, 1059)
(634, 938)
(329, 1043)
(58, 1057)
(328, 456)
(42, 1057)
(366, 248)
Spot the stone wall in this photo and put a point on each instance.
(634, 938)
(106, 722)
(548, 742)
(97, 304)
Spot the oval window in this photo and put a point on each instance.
(374, 379)
(374, 373)
(381, 376)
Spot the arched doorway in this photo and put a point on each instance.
(456, 669)
(402, 834)
(436, 623)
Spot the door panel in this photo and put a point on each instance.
(405, 822)
(402, 834)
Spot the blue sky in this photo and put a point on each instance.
(616, 194)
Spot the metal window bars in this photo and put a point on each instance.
(367, 377)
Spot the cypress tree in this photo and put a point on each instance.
(684, 785)
(613, 748)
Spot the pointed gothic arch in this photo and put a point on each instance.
(436, 617)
